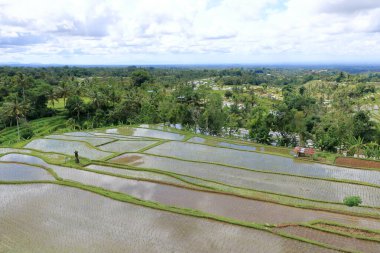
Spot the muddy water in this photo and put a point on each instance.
(224, 205)
(21, 172)
(295, 186)
(80, 221)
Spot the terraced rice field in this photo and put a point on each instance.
(93, 140)
(289, 185)
(156, 134)
(333, 239)
(67, 147)
(126, 146)
(173, 192)
(22, 172)
(78, 221)
(263, 162)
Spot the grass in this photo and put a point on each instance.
(41, 127)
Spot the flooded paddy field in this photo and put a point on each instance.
(67, 147)
(21, 158)
(136, 174)
(296, 186)
(93, 140)
(156, 134)
(126, 146)
(80, 221)
(79, 134)
(265, 162)
(214, 203)
(333, 239)
(9, 150)
(22, 172)
(118, 136)
(57, 218)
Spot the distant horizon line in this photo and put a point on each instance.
(298, 64)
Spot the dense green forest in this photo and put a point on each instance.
(334, 109)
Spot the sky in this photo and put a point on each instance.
(143, 32)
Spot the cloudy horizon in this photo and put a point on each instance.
(93, 32)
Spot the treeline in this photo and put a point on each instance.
(96, 97)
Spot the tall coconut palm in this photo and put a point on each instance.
(52, 95)
(22, 82)
(15, 110)
(64, 90)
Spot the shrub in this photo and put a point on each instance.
(352, 201)
(26, 132)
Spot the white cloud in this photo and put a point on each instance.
(197, 31)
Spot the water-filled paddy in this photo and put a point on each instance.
(95, 141)
(236, 146)
(296, 186)
(334, 239)
(22, 159)
(22, 172)
(116, 136)
(197, 140)
(9, 150)
(224, 205)
(80, 221)
(156, 134)
(79, 134)
(263, 162)
(126, 146)
(136, 173)
(67, 147)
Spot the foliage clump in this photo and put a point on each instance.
(352, 201)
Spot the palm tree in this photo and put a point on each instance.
(15, 110)
(52, 95)
(22, 82)
(355, 145)
(64, 90)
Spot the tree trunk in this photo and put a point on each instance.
(18, 129)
